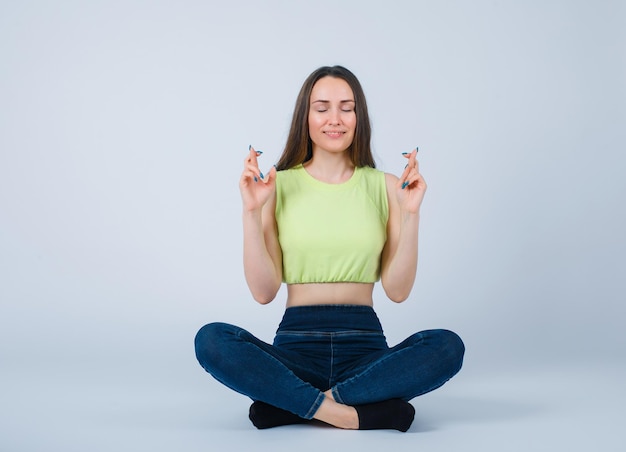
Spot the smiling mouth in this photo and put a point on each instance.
(334, 134)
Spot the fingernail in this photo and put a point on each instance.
(262, 176)
(259, 152)
(417, 149)
(405, 184)
(249, 147)
(255, 179)
(405, 153)
(406, 166)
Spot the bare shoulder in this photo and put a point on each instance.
(391, 181)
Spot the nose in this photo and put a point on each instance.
(335, 117)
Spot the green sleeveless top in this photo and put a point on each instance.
(331, 232)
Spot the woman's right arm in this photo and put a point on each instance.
(262, 257)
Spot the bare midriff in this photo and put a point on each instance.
(330, 293)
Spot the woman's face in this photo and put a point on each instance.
(332, 119)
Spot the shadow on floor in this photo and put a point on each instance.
(435, 412)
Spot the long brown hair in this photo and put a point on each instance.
(299, 147)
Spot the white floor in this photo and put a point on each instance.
(133, 407)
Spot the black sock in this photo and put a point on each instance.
(264, 415)
(388, 414)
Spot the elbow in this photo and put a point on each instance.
(262, 289)
(263, 300)
(397, 292)
(266, 295)
(400, 299)
(397, 297)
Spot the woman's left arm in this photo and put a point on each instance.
(399, 257)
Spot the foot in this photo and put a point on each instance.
(264, 415)
(389, 414)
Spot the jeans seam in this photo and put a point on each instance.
(332, 362)
(336, 395)
(316, 404)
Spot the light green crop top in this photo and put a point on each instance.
(331, 232)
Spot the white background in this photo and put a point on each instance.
(123, 126)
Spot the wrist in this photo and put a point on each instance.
(251, 215)
(410, 217)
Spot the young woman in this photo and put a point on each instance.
(330, 225)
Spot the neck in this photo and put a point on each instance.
(330, 167)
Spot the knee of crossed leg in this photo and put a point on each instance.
(453, 349)
(209, 344)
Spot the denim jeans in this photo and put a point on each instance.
(337, 347)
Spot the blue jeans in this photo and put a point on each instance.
(337, 347)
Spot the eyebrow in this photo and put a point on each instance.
(327, 101)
